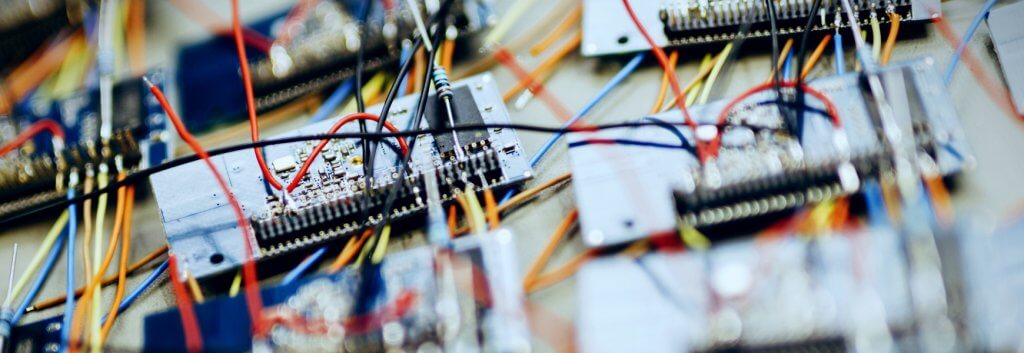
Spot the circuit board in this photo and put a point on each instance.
(408, 312)
(140, 139)
(681, 23)
(761, 169)
(328, 204)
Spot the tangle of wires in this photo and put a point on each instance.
(801, 59)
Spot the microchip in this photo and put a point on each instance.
(466, 113)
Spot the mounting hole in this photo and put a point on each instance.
(623, 39)
(216, 258)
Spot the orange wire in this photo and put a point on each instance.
(349, 252)
(658, 103)
(940, 197)
(193, 337)
(567, 23)
(782, 58)
(250, 101)
(447, 53)
(815, 56)
(492, 209)
(545, 66)
(453, 223)
(563, 272)
(122, 271)
(82, 309)
(523, 196)
(47, 59)
(137, 37)
(419, 65)
(52, 302)
(549, 248)
(890, 41)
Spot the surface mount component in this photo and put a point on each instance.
(625, 192)
(608, 30)
(329, 203)
(1008, 37)
(30, 178)
(409, 311)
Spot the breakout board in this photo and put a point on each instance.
(329, 204)
(625, 192)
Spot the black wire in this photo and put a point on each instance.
(360, 66)
(777, 74)
(800, 62)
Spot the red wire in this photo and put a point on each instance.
(252, 295)
(46, 124)
(830, 107)
(672, 77)
(254, 127)
(193, 337)
(535, 87)
(996, 91)
(323, 143)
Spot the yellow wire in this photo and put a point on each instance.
(692, 237)
(477, 210)
(236, 284)
(705, 63)
(37, 259)
(371, 90)
(706, 93)
(382, 245)
(507, 21)
(876, 37)
(97, 257)
(194, 287)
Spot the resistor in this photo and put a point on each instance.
(444, 92)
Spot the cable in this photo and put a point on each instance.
(69, 300)
(779, 65)
(955, 59)
(509, 19)
(663, 124)
(996, 91)
(626, 142)
(660, 101)
(51, 239)
(801, 63)
(890, 41)
(254, 127)
(549, 248)
(54, 250)
(528, 194)
(840, 65)
(122, 271)
(559, 31)
(144, 173)
(193, 287)
(45, 124)
(52, 302)
(349, 251)
(815, 56)
(710, 82)
(876, 36)
(134, 295)
(546, 65)
(304, 266)
(333, 101)
(360, 66)
(252, 295)
(193, 335)
(493, 218)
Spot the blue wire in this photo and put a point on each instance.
(628, 142)
(877, 214)
(983, 14)
(333, 101)
(661, 123)
(69, 302)
(786, 67)
(840, 65)
(608, 87)
(146, 283)
(402, 57)
(51, 259)
(304, 266)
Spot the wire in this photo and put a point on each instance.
(333, 101)
(962, 46)
(252, 295)
(304, 266)
(42, 125)
(710, 82)
(876, 36)
(144, 173)
(815, 56)
(840, 65)
(532, 84)
(254, 127)
(98, 264)
(49, 303)
(69, 300)
(197, 12)
(545, 66)
(382, 245)
(493, 217)
(513, 14)
(696, 82)
(193, 287)
(193, 335)
(996, 91)
(122, 271)
(136, 40)
(528, 194)
(660, 101)
(626, 142)
(349, 251)
(53, 247)
(663, 124)
(334, 128)
(663, 61)
(48, 243)
(778, 64)
(890, 41)
(134, 295)
(806, 67)
(360, 67)
(549, 248)
(559, 31)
